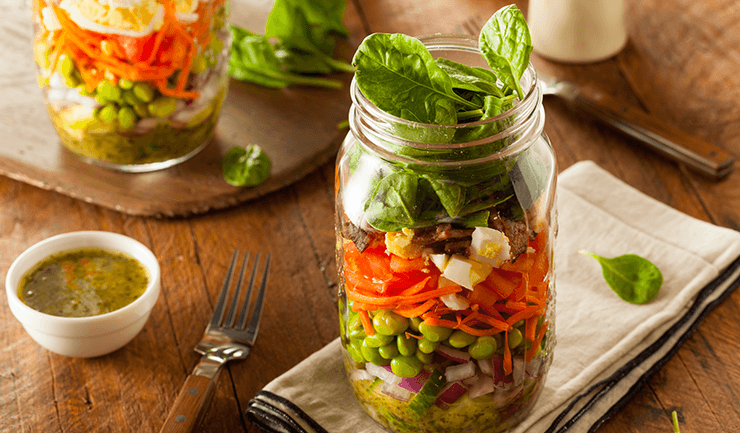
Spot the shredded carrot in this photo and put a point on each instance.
(436, 321)
(367, 324)
(479, 332)
(507, 355)
(498, 324)
(504, 287)
(530, 328)
(415, 310)
(416, 288)
(529, 355)
(396, 300)
(521, 290)
(523, 314)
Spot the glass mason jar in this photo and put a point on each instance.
(445, 250)
(133, 85)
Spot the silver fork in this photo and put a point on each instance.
(223, 341)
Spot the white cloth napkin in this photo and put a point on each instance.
(605, 346)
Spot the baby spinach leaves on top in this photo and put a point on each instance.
(398, 74)
(633, 278)
(506, 44)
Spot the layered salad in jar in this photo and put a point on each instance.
(446, 282)
(132, 82)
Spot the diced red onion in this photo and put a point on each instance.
(502, 397)
(415, 383)
(396, 392)
(499, 378)
(452, 392)
(384, 373)
(483, 386)
(458, 372)
(453, 354)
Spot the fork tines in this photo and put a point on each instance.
(234, 312)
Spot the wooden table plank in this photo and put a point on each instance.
(681, 64)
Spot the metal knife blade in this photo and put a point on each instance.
(667, 140)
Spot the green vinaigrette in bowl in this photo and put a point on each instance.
(83, 282)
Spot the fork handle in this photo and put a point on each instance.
(191, 404)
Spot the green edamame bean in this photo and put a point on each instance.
(108, 91)
(128, 97)
(434, 333)
(406, 366)
(354, 327)
(389, 323)
(162, 107)
(425, 358)
(82, 90)
(483, 347)
(108, 113)
(216, 45)
(127, 118)
(378, 340)
(200, 64)
(515, 338)
(67, 69)
(389, 351)
(141, 110)
(125, 83)
(459, 339)
(143, 91)
(426, 345)
(414, 323)
(355, 353)
(371, 354)
(406, 345)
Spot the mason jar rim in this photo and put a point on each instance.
(371, 123)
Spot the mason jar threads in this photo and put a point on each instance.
(132, 85)
(445, 240)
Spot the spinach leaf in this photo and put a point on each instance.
(248, 166)
(397, 73)
(398, 202)
(506, 44)
(253, 59)
(633, 278)
(306, 28)
(472, 78)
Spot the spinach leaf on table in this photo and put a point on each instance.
(307, 28)
(246, 166)
(506, 44)
(253, 59)
(633, 278)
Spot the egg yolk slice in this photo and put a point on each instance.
(134, 18)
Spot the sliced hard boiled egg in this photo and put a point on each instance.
(490, 246)
(49, 19)
(455, 301)
(186, 10)
(466, 272)
(135, 18)
(440, 260)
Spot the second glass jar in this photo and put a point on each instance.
(445, 254)
(133, 85)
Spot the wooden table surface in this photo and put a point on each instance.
(681, 64)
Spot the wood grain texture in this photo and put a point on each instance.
(680, 64)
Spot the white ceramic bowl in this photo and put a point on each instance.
(84, 337)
